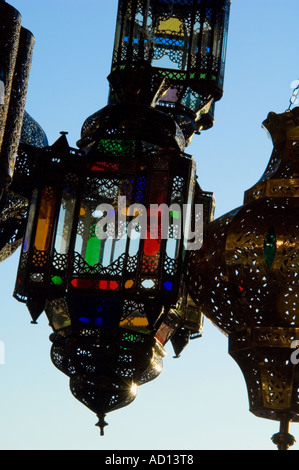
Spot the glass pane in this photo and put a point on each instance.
(30, 221)
(171, 45)
(45, 219)
(155, 218)
(65, 221)
(101, 236)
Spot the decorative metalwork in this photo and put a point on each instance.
(245, 278)
(114, 292)
(17, 129)
(124, 284)
(32, 133)
(15, 61)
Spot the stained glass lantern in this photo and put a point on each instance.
(110, 224)
(104, 252)
(16, 46)
(182, 41)
(245, 279)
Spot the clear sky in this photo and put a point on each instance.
(200, 400)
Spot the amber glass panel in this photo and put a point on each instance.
(45, 220)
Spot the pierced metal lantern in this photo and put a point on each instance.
(16, 46)
(98, 259)
(19, 133)
(245, 279)
(181, 41)
(15, 199)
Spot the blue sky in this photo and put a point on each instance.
(200, 400)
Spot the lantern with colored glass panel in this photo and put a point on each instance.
(183, 41)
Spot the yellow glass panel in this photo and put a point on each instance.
(45, 220)
(173, 25)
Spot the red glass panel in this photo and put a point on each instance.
(94, 284)
(155, 216)
(103, 166)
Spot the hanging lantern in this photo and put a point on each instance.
(245, 279)
(110, 225)
(97, 257)
(182, 41)
(18, 133)
(15, 60)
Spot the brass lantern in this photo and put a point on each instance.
(20, 135)
(181, 41)
(245, 279)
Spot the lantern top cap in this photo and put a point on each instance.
(283, 126)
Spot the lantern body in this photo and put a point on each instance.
(245, 277)
(98, 259)
(185, 43)
(15, 62)
(128, 174)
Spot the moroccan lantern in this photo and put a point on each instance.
(97, 257)
(16, 46)
(181, 41)
(19, 133)
(110, 225)
(245, 280)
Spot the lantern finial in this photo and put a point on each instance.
(102, 423)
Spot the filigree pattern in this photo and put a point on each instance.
(17, 97)
(178, 43)
(81, 267)
(12, 221)
(85, 356)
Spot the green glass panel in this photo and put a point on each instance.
(57, 280)
(93, 248)
(116, 147)
(270, 247)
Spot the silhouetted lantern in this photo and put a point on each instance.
(16, 46)
(182, 41)
(245, 280)
(110, 225)
(16, 128)
(104, 251)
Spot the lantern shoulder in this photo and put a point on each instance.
(283, 126)
(137, 121)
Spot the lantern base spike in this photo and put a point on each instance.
(36, 308)
(283, 439)
(102, 423)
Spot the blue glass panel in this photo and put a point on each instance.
(168, 285)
